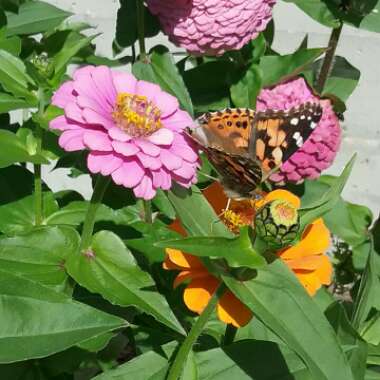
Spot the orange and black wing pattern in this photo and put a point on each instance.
(245, 148)
(279, 134)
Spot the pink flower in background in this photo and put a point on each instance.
(319, 151)
(212, 27)
(132, 129)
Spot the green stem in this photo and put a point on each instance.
(38, 204)
(148, 212)
(96, 199)
(141, 29)
(329, 58)
(183, 352)
(229, 335)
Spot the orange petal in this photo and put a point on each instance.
(186, 275)
(325, 271)
(216, 197)
(180, 260)
(177, 227)
(279, 194)
(315, 240)
(306, 263)
(309, 281)
(231, 310)
(199, 292)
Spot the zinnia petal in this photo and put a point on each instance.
(315, 240)
(199, 292)
(231, 310)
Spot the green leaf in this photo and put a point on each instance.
(209, 85)
(11, 44)
(280, 302)
(371, 22)
(237, 251)
(328, 199)
(348, 337)
(32, 323)
(277, 68)
(163, 71)
(110, 270)
(350, 223)
(148, 366)
(318, 10)
(251, 359)
(190, 369)
(245, 91)
(73, 44)
(372, 374)
(195, 213)
(35, 17)
(371, 330)
(13, 150)
(75, 212)
(39, 255)
(126, 24)
(98, 343)
(163, 204)
(367, 296)
(151, 234)
(13, 76)
(10, 103)
(19, 216)
(16, 183)
(342, 80)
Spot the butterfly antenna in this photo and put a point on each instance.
(208, 176)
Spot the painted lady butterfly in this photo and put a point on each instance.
(247, 147)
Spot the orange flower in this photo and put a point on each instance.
(307, 259)
(202, 286)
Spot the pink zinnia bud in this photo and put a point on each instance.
(132, 129)
(212, 27)
(319, 151)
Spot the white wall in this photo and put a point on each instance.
(361, 126)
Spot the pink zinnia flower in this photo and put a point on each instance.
(212, 26)
(319, 151)
(132, 129)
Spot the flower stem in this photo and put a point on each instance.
(89, 222)
(329, 57)
(229, 335)
(183, 352)
(38, 204)
(141, 29)
(148, 212)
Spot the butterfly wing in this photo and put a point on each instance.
(224, 137)
(246, 148)
(279, 134)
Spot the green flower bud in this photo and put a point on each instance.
(277, 223)
(43, 64)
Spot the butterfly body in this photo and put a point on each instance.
(247, 147)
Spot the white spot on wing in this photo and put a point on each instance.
(313, 125)
(303, 117)
(294, 121)
(299, 140)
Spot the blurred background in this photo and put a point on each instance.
(361, 128)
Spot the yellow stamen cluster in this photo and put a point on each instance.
(232, 220)
(136, 115)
